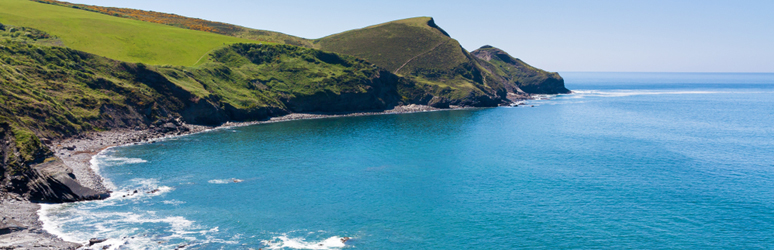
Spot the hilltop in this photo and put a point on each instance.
(419, 49)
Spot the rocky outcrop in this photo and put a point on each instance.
(53, 181)
(42, 177)
(517, 75)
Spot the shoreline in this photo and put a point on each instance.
(21, 218)
(78, 152)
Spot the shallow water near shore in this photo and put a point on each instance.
(632, 160)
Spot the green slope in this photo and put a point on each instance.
(415, 48)
(190, 23)
(391, 44)
(114, 37)
(420, 50)
(58, 92)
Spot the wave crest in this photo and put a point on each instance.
(284, 242)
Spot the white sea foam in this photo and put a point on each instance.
(105, 159)
(624, 93)
(120, 228)
(173, 202)
(225, 181)
(140, 189)
(285, 242)
(81, 221)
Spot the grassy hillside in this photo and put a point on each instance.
(58, 92)
(190, 23)
(289, 78)
(114, 37)
(418, 49)
(415, 48)
(388, 45)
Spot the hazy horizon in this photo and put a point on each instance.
(600, 36)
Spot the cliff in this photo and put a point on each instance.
(52, 91)
(518, 75)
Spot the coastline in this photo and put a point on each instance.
(22, 227)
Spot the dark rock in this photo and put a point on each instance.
(167, 127)
(53, 182)
(96, 241)
(10, 229)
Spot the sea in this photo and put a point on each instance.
(628, 161)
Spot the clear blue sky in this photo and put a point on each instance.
(650, 36)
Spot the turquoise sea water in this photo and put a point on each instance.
(632, 160)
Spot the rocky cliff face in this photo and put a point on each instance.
(55, 93)
(518, 75)
(40, 178)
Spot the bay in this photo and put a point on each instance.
(631, 160)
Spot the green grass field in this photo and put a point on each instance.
(114, 37)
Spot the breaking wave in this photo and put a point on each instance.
(125, 229)
(286, 242)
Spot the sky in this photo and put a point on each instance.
(601, 36)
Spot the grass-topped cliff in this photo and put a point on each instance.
(51, 92)
(417, 48)
(66, 69)
(392, 45)
(519, 75)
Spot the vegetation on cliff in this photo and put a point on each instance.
(57, 92)
(416, 48)
(66, 69)
(519, 75)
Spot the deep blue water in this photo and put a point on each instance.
(633, 160)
